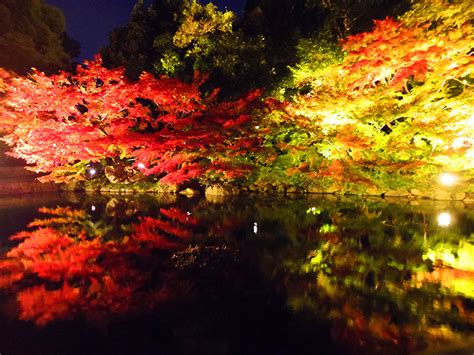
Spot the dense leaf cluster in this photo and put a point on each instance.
(393, 112)
(60, 124)
(388, 109)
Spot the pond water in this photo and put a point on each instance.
(91, 274)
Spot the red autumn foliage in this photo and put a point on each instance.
(60, 123)
(368, 52)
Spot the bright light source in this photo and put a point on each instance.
(313, 210)
(257, 127)
(255, 228)
(93, 208)
(92, 172)
(444, 219)
(141, 166)
(447, 179)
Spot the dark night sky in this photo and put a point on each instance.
(90, 21)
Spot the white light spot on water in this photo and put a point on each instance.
(444, 219)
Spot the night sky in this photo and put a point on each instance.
(90, 21)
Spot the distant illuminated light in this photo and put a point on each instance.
(92, 171)
(93, 208)
(141, 166)
(447, 179)
(444, 219)
(255, 228)
(313, 210)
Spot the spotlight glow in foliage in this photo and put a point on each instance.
(448, 179)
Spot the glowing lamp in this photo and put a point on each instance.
(93, 170)
(93, 208)
(444, 219)
(447, 179)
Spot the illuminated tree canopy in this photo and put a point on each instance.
(391, 109)
(160, 127)
(394, 111)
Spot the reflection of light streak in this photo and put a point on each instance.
(444, 219)
(447, 179)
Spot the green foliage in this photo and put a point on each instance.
(199, 22)
(313, 55)
(177, 38)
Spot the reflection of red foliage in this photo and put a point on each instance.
(11, 271)
(148, 228)
(44, 305)
(84, 276)
(55, 257)
(374, 332)
(179, 215)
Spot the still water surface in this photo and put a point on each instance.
(256, 275)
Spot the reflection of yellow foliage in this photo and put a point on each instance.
(324, 283)
(442, 333)
(463, 261)
(464, 286)
(457, 281)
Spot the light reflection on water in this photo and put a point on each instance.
(245, 275)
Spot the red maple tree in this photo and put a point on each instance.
(163, 127)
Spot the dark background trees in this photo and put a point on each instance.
(254, 49)
(32, 34)
(176, 38)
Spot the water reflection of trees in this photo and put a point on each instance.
(385, 275)
(378, 275)
(68, 266)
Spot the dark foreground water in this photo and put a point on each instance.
(255, 275)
